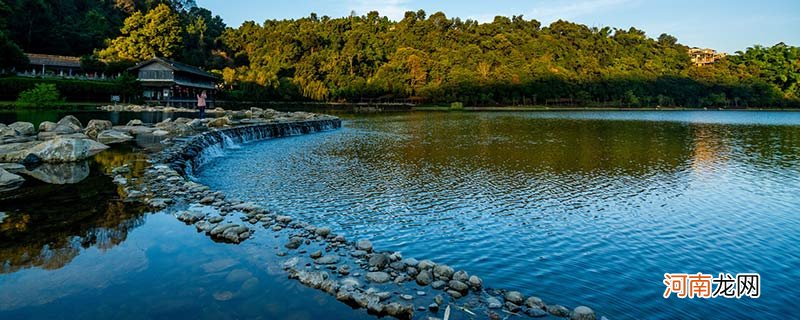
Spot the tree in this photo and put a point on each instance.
(144, 36)
(11, 55)
(43, 95)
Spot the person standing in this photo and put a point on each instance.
(201, 104)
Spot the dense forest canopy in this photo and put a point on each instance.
(430, 58)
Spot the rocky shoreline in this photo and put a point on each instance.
(384, 283)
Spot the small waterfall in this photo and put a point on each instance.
(197, 151)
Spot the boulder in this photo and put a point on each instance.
(23, 128)
(6, 131)
(9, 181)
(583, 313)
(378, 277)
(113, 136)
(66, 125)
(47, 126)
(135, 123)
(15, 152)
(514, 297)
(160, 133)
(61, 150)
(12, 167)
(219, 122)
(443, 271)
(364, 245)
(94, 127)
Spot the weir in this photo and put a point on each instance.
(197, 150)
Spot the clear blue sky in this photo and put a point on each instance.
(726, 25)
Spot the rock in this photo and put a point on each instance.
(291, 263)
(68, 124)
(284, 219)
(438, 284)
(411, 262)
(364, 245)
(316, 254)
(455, 294)
(536, 313)
(400, 311)
(494, 303)
(397, 265)
(512, 307)
(583, 313)
(329, 259)
(6, 131)
(223, 296)
(294, 243)
(219, 122)
(433, 307)
(461, 276)
(458, 286)
(425, 264)
(378, 277)
(23, 128)
(238, 276)
(443, 272)
(9, 181)
(378, 260)
(61, 150)
(475, 282)
(15, 152)
(558, 310)
(12, 167)
(323, 232)
(207, 200)
(47, 126)
(113, 136)
(160, 133)
(438, 299)
(191, 216)
(134, 123)
(94, 127)
(425, 277)
(534, 302)
(514, 297)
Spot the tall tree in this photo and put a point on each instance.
(144, 36)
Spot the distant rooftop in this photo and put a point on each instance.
(174, 65)
(54, 60)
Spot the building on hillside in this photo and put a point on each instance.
(52, 65)
(172, 83)
(701, 57)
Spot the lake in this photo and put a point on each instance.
(578, 208)
(575, 207)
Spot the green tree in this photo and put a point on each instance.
(144, 36)
(43, 95)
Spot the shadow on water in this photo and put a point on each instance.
(65, 208)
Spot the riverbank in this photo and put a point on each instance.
(355, 273)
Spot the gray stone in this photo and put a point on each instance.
(512, 307)
(23, 128)
(426, 264)
(378, 277)
(461, 276)
(284, 219)
(329, 259)
(294, 243)
(191, 216)
(9, 181)
(494, 303)
(61, 150)
(15, 152)
(94, 127)
(411, 262)
(378, 260)
(433, 307)
(443, 272)
(68, 124)
(583, 313)
(160, 133)
(47, 126)
(438, 299)
(455, 294)
(113, 136)
(323, 232)
(364, 245)
(536, 313)
(458, 286)
(12, 167)
(316, 254)
(134, 123)
(558, 310)
(438, 284)
(424, 277)
(475, 282)
(514, 297)
(400, 311)
(534, 302)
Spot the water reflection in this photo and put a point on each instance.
(66, 209)
(554, 203)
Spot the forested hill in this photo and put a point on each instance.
(429, 58)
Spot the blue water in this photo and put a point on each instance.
(578, 208)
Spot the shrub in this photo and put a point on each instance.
(456, 106)
(43, 95)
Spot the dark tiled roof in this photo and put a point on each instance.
(177, 66)
(53, 60)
